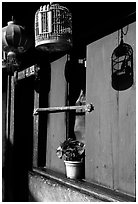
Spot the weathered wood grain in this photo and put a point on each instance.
(110, 130)
(56, 122)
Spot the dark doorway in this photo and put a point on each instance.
(23, 137)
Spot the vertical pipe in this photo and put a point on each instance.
(67, 113)
(9, 169)
(8, 107)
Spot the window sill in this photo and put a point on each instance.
(94, 190)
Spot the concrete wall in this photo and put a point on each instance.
(42, 189)
(110, 128)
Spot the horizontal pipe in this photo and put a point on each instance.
(84, 108)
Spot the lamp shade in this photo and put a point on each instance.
(14, 41)
(14, 38)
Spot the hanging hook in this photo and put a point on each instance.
(121, 35)
(126, 30)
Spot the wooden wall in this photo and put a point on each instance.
(56, 132)
(110, 128)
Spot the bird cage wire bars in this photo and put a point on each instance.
(53, 28)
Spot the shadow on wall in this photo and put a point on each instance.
(75, 75)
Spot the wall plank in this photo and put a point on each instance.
(108, 129)
(127, 124)
(56, 121)
(99, 152)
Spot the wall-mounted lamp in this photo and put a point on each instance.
(122, 66)
(14, 40)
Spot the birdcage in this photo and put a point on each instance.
(53, 28)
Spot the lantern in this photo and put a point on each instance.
(14, 41)
(122, 66)
(53, 28)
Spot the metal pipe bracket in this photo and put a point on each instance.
(84, 108)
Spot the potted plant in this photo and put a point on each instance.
(72, 151)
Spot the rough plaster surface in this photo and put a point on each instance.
(46, 190)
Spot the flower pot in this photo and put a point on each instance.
(74, 169)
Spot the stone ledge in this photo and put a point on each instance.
(43, 189)
(90, 189)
